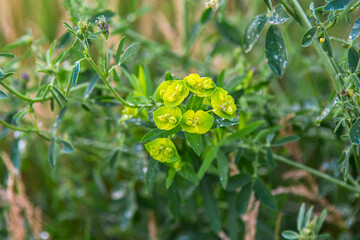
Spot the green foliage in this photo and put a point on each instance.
(171, 120)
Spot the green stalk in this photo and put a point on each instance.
(105, 80)
(331, 69)
(22, 96)
(315, 172)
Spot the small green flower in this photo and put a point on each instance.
(201, 86)
(163, 150)
(199, 122)
(223, 104)
(167, 118)
(171, 93)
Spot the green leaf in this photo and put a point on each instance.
(129, 51)
(336, 5)
(195, 141)
(206, 15)
(265, 194)
(51, 154)
(290, 235)
(188, 172)
(275, 50)
(170, 177)
(3, 75)
(168, 76)
(300, 218)
(354, 133)
(119, 49)
(253, 31)
(210, 156)
(211, 210)
(270, 158)
(355, 31)
(268, 4)
(242, 133)
(238, 181)
(326, 45)
(223, 165)
(8, 55)
(321, 221)
(90, 88)
(308, 37)
(69, 28)
(50, 52)
(113, 157)
(353, 59)
(3, 94)
(308, 216)
(285, 140)
(279, 15)
(243, 198)
(194, 103)
(175, 201)
(67, 146)
(222, 122)
(151, 173)
(158, 133)
(75, 73)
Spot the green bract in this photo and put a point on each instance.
(223, 104)
(163, 150)
(201, 86)
(199, 122)
(167, 118)
(171, 93)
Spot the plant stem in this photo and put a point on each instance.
(105, 79)
(22, 96)
(321, 53)
(315, 172)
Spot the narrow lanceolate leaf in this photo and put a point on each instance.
(275, 50)
(195, 141)
(211, 210)
(308, 37)
(354, 133)
(238, 181)
(290, 235)
(336, 5)
(355, 31)
(90, 88)
(158, 133)
(3, 75)
(300, 219)
(129, 51)
(50, 52)
(151, 173)
(119, 49)
(353, 59)
(243, 198)
(52, 152)
(326, 44)
(187, 171)
(67, 146)
(268, 4)
(8, 55)
(207, 161)
(3, 94)
(253, 31)
(265, 194)
(286, 140)
(279, 15)
(223, 165)
(75, 74)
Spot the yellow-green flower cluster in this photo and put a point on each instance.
(172, 93)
